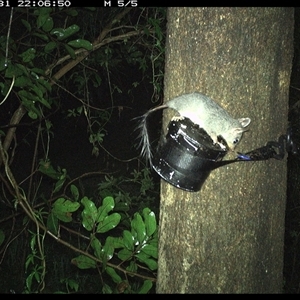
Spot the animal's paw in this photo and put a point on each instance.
(223, 147)
(214, 137)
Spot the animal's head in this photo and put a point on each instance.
(234, 135)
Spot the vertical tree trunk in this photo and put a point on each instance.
(228, 238)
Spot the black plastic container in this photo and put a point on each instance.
(187, 155)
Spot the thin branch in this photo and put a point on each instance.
(82, 54)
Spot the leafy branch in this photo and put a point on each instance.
(143, 230)
(81, 54)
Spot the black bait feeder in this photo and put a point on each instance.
(187, 155)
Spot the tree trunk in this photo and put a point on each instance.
(228, 237)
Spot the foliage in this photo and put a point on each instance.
(127, 253)
(114, 232)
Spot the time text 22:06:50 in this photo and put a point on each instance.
(35, 3)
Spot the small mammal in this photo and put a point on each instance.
(202, 111)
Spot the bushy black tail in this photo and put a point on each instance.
(144, 142)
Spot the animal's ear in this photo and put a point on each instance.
(244, 122)
(237, 130)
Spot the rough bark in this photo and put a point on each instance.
(228, 238)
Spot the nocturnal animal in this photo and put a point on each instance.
(202, 111)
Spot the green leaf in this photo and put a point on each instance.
(132, 267)
(84, 262)
(45, 84)
(43, 101)
(144, 258)
(14, 70)
(21, 69)
(70, 51)
(109, 223)
(41, 88)
(26, 24)
(146, 287)
(63, 209)
(33, 242)
(60, 182)
(75, 192)
(150, 250)
(138, 225)
(28, 55)
(128, 240)
(29, 99)
(42, 36)
(108, 249)
(3, 63)
(22, 81)
(108, 204)
(65, 205)
(112, 273)
(62, 33)
(43, 16)
(48, 25)
(29, 281)
(52, 223)
(29, 105)
(35, 71)
(33, 112)
(39, 97)
(37, 275)
(150, 221)
(80, 43)
(124, 254)
(29, 260)
(96, 245)
(46, 168)
(72, 284)
(117, 242)
(154, 241)
(33, 115)
(50, 46)
(122, 206)
(38, 92)
(89, 213)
